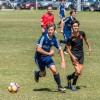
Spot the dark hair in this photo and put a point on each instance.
(75, 21)
(49, 6)
(50, 24)
(62, 0)
(73, 10)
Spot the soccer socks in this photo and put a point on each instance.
(63, 41)
(38, 73)
(59, 23)
(71, 76)
(57, 79)
(75, 80)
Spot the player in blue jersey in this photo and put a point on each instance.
(67, 27)
(44, 53)
(75, 50)
(61, 14)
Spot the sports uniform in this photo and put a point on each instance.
(43, 60)
(61, 10)
(47, 18)
(67, 27)
(76, 44)
(46, 43)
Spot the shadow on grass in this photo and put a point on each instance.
(47, 90)
(78, 87)
(81, 86)
(42, 89)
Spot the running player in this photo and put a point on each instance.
(61, 14)
(43, 55)
(67, 27)
(75, 41)
(47, 17)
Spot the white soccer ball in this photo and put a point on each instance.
(13, 87)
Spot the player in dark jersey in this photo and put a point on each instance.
(43, 55)
(75, 50)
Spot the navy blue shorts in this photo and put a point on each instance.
(62, 16)
(44, 63)
(67, 34)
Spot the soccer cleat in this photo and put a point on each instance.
(61, 89)
(60, 41)
(36, 78)
(74, 88)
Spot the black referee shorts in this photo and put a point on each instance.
(80, 59)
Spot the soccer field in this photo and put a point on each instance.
(19, 32)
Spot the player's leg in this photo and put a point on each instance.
(57, 78)
(78, 70)
(41, 72)
(75, 77)
(59, 23)
(69, 77)
(62, 25)
(81, 68)
(81, 62)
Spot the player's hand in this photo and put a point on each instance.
(43, 30)
(74, 59)
(51, 53)
(63, 65)
(42, 24)
(89, 51)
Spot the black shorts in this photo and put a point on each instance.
(80, 59)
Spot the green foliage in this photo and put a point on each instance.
(19, 32)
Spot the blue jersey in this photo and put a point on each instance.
(61, 9)
(67, 27)
(46, 43)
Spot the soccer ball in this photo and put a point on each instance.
(13, 87)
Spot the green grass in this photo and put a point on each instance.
(19, 32)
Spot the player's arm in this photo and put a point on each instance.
(70, 53)
(56, 44)
(62, 58)
(42, 23)
(65, 20)
(40, 50)
(87, 42)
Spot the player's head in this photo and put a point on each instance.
(73, 13)
(51, 27)
(49, 9)
(75, 26)
(62, 1)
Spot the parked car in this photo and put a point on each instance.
(31, 4)
(70, 4)
(16, 3)
(45, 3)
(4, 4)
(95, 5)
(86, 4)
